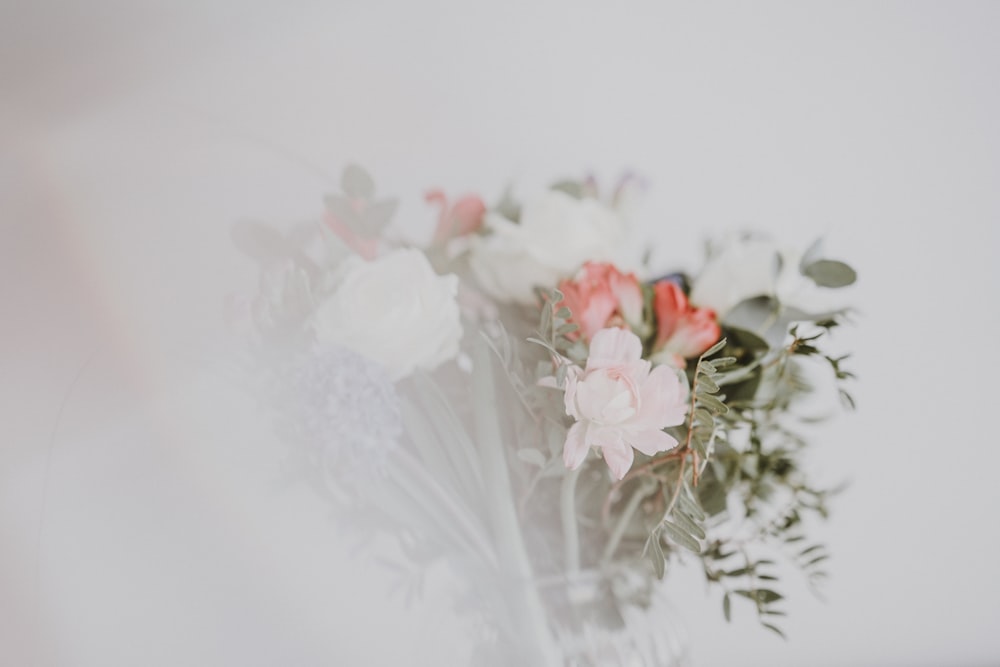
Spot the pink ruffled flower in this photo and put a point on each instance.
(619, 403)
(459, 218)
(601, 296)
(682, 331)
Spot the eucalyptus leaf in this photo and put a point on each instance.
(356, 182)
(342, 209)
(377, 216)
(830, 273)
(573, 188)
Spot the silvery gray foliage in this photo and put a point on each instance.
(341, 409)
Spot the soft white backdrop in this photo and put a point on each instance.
(132, 135)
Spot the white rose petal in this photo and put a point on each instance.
(395, 310)
(557, 233)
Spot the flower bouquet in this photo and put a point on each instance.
(558, 423)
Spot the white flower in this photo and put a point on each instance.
(748, 268)
(395, 310)
(556, 234)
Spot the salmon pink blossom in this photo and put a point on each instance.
(620, 403)
(682, 331)
(601, 296)
(457, 218)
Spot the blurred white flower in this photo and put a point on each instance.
(395, 310)
(746, 268)
(556, 234)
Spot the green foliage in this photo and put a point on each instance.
(830, 273)
(357, 208)
(554, 333)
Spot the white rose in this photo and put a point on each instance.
(395, 310)
(557, 233)
(740, 270)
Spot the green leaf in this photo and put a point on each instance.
(572, 188)
(705, 383)
(356, 183)
(704, 417)
(760, 595)
(726, 604)
(747, 339)
(690, 506)
(378, 216)
(341, 209)
(712, 403)
(688, 524)
(715, 348)
(766, 596)
(678, 535)
(817, 559)
(567, 329)
(698, 444)
(830, 273)
(656, 554)
(775, 630)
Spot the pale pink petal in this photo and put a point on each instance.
(613, 347)
(569, 398)
(651, 442)
(576, 448)
(664, 399)
(588, 399)
(619, 457)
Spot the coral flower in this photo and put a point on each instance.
(620, 403)
(601, 296)
(458, 218)
(682, 331)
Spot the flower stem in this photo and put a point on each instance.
(571, 533)
(525, 604)
(619, 530)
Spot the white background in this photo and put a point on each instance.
(132, 135)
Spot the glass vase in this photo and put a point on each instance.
(598, 619)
